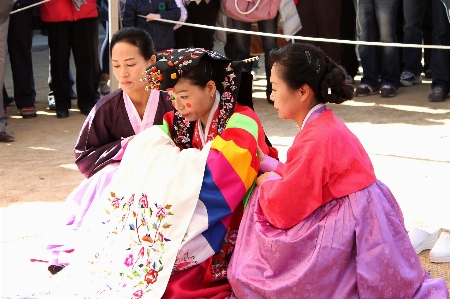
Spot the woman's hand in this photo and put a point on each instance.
(259, 154)
(262, 177)
(151, 16)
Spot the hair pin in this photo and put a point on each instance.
(318, 66)
(251, 59)
(329, 90)
(308, 56)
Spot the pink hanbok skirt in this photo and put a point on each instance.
(352, 247)
(62, 240)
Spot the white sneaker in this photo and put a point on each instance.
(51, 101)
(441, 250)
(104, 84)
(422, 239)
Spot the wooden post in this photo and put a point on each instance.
(114, 20)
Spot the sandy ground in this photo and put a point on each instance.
(407, 138)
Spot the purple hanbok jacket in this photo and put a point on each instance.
(101, 136)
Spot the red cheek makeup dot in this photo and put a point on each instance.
(188, 105)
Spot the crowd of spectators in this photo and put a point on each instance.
(72, 29)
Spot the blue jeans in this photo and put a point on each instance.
(440, 59)
(242, 44)
(414, 12)
(383, 13)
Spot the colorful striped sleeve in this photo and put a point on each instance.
(230, 171)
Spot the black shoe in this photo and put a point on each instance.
(437, 95)
(387, 91)
(55, 269)
(62, 113)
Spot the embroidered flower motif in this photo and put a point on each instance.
(231, 237)
(138, 294)
(141, 253)
(161, 213)
(115, 203)
(131, 200)
(129, 260)
(151, 276)
(143, 202)
(226, 95)
(148, 236)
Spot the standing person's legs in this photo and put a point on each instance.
(427, 29)
(59, 83)
(386, 13)
(328, 18)
(307, 13)
(413, 11)
(366, 30)
(241, 41)
(349, 60)
(268, 43)
(204, 14)
(440, 59)
(19, 48)
(84, 41)
(104, 51)
(104, 61)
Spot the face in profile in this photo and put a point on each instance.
(128, 67)
(192, 101)
(285, 102)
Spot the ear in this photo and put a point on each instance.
(211, 86)
(305, 92)
(153, 59)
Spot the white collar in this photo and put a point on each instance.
(204, 133)
(310, 112)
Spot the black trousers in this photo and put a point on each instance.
(80, 37)
(204, 14)
(349, 60)
(321, 18)
(19, 48)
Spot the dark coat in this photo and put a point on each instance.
(162, 33)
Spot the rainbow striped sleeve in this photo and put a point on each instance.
(230, 171)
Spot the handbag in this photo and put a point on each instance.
(251, 11)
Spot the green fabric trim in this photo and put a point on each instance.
(165, 128)
(242, 121)
(247, 195)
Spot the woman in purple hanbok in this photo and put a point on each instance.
(115, 119)
(322, 225)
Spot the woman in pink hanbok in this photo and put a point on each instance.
(322, 225)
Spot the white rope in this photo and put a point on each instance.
(29, 6)
(305, 38)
